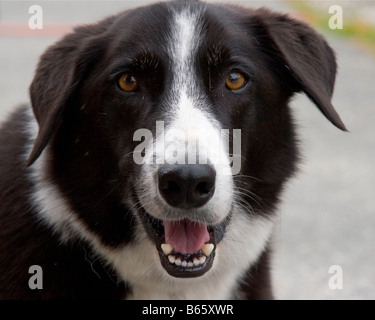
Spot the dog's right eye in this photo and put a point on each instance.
(128, 82)
(235, 81)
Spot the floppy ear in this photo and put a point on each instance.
(56, 80)
(310, 60)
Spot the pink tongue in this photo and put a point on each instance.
(185, 236)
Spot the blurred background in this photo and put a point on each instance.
(327, 217)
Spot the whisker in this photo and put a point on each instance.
(246, 176)
(248, 192)
(238, 195)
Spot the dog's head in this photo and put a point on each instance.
(172, 121)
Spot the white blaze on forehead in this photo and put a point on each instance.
(189, 117)
(186, 111)
(184, 42)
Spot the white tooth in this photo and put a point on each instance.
(167, 248)
(190, 264)
(184, 263)
(171, 258)
(196, 261)
(202, 259)
(178, 262)
(207, 249)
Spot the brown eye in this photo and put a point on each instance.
(235, 81)
(128, 82)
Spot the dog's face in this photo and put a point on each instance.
(180, 190)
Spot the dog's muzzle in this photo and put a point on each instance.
(186, 246)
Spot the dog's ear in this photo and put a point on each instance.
(58, 75)
(306, 55)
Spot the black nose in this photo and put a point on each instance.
(187, 185)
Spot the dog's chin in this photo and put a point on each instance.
(186, 248)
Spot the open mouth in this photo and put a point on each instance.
(186, 248)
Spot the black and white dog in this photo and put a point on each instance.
(93, 189)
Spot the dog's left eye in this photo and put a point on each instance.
(235, 81)
(128, 82)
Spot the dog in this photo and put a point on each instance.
(94, 194)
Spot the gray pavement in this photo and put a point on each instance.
(328, 213)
